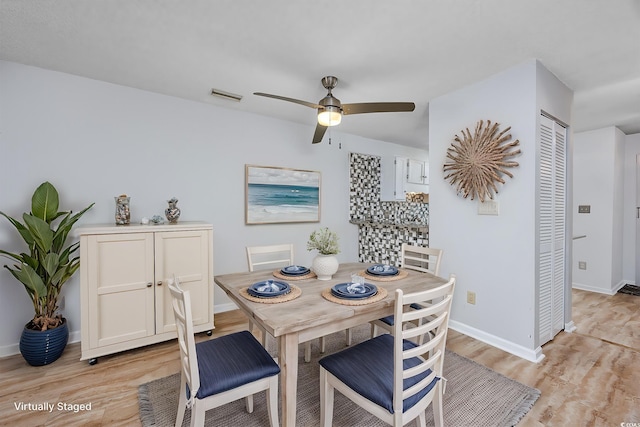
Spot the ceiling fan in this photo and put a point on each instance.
(330, 109)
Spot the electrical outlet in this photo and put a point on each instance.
(582, 265)
(471, 297)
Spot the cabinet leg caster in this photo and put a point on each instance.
(93, 361)
(209, 333)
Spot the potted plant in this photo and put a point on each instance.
(43, 269)
(325, 241)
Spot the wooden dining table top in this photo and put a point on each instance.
(311, 315)
(311, 311)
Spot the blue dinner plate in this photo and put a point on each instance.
(268, 289)
(382, 270)
(295, 270)
(340, 291)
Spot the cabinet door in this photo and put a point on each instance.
(416, 172)
(120, 291)
(184, 254)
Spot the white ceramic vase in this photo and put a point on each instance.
(325, 266)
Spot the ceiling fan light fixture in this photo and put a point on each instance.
(330, 116)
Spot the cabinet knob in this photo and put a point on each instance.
(149, 284)
(159, 282)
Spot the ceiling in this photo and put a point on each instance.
(380, 50)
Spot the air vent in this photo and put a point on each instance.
(226, 95)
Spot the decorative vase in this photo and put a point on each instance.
(325, 266)
(43, 347)
(123, 213)
(172, 212)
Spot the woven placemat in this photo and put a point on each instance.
(382, 294)
(401, 275)
(279, 275)
(295, 293)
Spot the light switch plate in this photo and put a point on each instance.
(488, 207)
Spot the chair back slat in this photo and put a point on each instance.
(426, 310)
(432, 320)
(269, 256)
(420, 258)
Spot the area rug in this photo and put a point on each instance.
(475, 396)
(630, 290)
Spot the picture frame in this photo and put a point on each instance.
(281, 195)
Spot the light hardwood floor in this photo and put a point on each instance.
(588, 378)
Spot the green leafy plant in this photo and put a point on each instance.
(49, 263)
(324, 241)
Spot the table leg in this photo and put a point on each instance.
(289, 375)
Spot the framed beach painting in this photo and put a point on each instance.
(277, 195)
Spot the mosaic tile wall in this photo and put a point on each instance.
(364, 186)
(379, 243)
(382, 226)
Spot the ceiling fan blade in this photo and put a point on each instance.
(284, 98)
(319, 133)
(377, 107)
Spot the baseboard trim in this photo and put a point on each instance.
(9, 350)
(74, 336)
(588, 288)
(531, 355)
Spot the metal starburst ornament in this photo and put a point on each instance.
(479, 161)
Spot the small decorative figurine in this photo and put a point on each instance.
(123, 214)
(172, 212)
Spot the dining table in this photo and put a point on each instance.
(312, 313)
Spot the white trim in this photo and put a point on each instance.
(613, 291)
(583, 287)
(74, 336)
(570, 327)
(515, 349)
(13, 349)
(9, 350)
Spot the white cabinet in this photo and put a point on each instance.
(417, 172)
(411, 175)
(125, 301)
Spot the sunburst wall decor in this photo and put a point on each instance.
(479, 161)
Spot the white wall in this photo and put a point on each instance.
(599, 182)
(493, 256)
(94, 140)
(629, 251)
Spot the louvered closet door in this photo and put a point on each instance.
(551, 229)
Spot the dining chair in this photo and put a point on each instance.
(220, 370)
(390, 375)
(273, 256)
(419, 258)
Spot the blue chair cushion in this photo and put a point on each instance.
(367, 368)
(389, 319)
(231, 361)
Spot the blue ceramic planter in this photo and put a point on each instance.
(43, 347)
